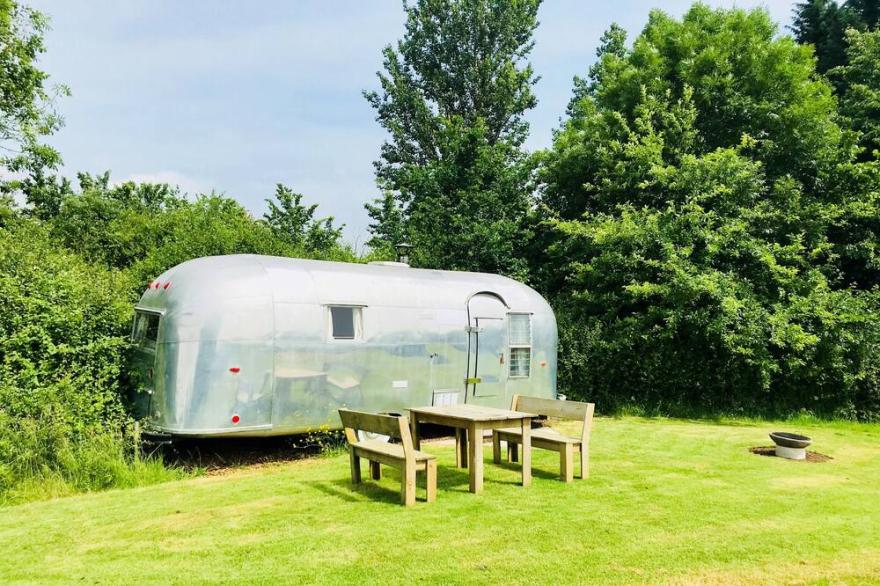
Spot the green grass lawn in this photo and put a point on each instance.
(668, 501)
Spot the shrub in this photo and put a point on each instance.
(63, 327)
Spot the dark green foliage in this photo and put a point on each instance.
(453, 94)
(860, 80)
(716, 235)
(823, 24)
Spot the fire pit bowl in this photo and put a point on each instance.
(790, 445)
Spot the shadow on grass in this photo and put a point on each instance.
(536, 472)
(449, 479)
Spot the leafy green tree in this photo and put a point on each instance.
(26, 104)
(453, 94)
(713, 227)
(860, 102)
(387, 226)
(295, 223)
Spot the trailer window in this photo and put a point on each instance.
(146, 329)
(345, 322)
(520, 333)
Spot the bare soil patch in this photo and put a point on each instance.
(814, 457)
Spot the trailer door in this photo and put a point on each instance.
(487, 375)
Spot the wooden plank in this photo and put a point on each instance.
(416, 437)
(585, 460)
(378, 447)
(467, 412)
(355, 466)
(475, 457)
(551, 408)
(566, 463)
(431, 481)
(547, 435)
(461, 456)
(526, 451)
(408, 486)
(385, 424)
(496, 447)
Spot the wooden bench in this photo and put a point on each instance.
(401, 456)
(548, 438)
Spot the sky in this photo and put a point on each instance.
(238, 96)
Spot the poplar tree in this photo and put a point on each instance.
(453, 92)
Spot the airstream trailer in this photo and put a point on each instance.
(254, 345)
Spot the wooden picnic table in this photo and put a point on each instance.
(473, 419)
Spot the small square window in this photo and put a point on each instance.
(520, 362)
(345, 322)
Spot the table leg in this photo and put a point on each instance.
(461, 448)
(526, 451)
(475, 457)
(414, 428)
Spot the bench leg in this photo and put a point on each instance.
(431, 481)
(512, 451)
(566, 463)
(375, 470)
(496, 447)
(355, 467)
(408, 486)
(460, 448)
(585, 461)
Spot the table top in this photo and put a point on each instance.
(467, 412)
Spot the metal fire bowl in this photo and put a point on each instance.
(790, 440)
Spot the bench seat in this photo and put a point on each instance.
(377, 452)
(547, 438)
(389, 454)
(546, 435)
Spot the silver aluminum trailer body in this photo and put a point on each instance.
(253, 345)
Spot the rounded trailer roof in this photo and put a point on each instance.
(293, 280)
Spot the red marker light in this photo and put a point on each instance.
(234, 370)
(167, 285)
(236, 419)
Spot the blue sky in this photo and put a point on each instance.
(238, 96)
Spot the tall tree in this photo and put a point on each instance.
(26, 103)
(716, 241)
(453, 93)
